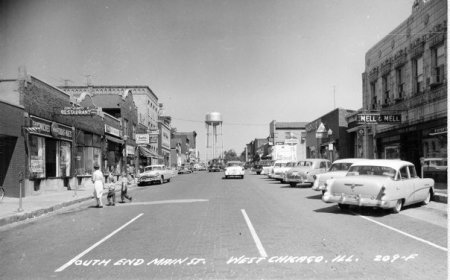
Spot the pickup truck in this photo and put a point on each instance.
(155, 173)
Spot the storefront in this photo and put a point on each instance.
(113, 150)
(49, 147)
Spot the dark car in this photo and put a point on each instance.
(260, 164)
(214, 168)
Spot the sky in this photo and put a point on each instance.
(253, 61)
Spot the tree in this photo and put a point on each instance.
(230, 155)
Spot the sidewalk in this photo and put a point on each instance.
(37, 205)
(46, 202)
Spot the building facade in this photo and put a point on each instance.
(183, 148)
(327, 137)
(164, 139)
(404, 112)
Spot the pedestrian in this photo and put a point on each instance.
(99, 182)
(111, 185)
(124, 188)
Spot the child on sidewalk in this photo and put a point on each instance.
(111, 185)
(124, 188)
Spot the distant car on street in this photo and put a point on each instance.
(305, 170)
(184, 170)
(234, 169)
(387, 184)
(157, 173)
(260, 165)
(338, 169)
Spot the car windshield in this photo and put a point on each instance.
(291, 164)
(280, 164)
(371, 170)
(305, 163)
(342, 166)
(440, 163)
(150, 168)
(234, 164)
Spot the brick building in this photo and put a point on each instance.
(404, 112)
(327, 137)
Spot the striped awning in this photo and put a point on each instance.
(145, 152)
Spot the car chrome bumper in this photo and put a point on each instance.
(358, 201)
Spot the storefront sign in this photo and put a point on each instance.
(61, 131)
(165, 137)
(438, 131)
(292, 141)
(142, 139)
(113, 131)
(378, 118)
(52, 129)
(154, 132)
(77, 111)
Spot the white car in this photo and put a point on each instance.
(276, 163)
(234, 169)
(338, 169)
(387, 184)
(305, 170)
(279, 172)
(158, 173)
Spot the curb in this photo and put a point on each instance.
(437, 197)
(22, 216)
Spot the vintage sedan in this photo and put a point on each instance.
(234, 169)
(262, 167)
(305, 170)
(338, 169)
(387, 184)
(278, 165)
(279, 172)
(155, 173)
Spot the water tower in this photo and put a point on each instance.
(213, 121)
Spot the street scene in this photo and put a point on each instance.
(200, 139)
(202, 226)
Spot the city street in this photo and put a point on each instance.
(202, 226)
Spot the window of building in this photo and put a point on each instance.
(373, 93)
(400, 82)
(418, 75)
(125, 127)
(386, 89)
(438, 62)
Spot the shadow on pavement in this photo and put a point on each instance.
(318, 196)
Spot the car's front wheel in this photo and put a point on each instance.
(398, 206)
(427, 199)
(293, 185)
(343, 206)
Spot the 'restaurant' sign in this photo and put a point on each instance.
(378, 118)
(77, 111)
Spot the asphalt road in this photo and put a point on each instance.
(201, 226)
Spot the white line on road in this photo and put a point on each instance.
(69, 263)
(404, 233)
(258, 243)
(164, 202)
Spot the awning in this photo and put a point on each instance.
(145, 152)
(114, 139)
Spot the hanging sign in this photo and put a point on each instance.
(142, 139)
(378, 118)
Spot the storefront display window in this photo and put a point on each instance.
(86, 158)
(37, 156)
(64, 159)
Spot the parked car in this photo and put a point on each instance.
(268, 170)
(279, 171)
(155, 173)
(305, 170)
(259, 166)
(434, 164)
(184, 170)
(276, 166)
(387, 184)
(338, 169)
(215, 167)
(234, 169)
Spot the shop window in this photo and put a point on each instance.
(386, 89)
(86, 158)
(64, 159)
(37, 156)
